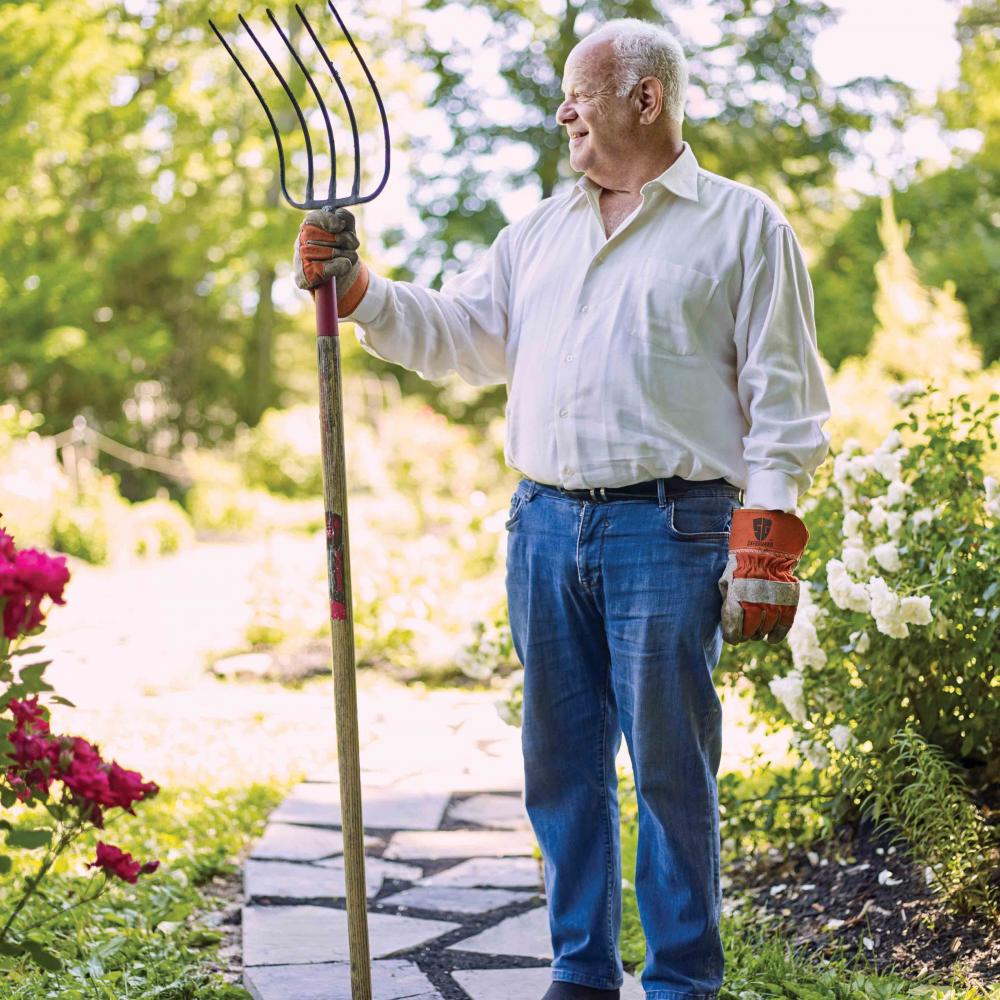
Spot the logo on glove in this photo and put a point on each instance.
(762, 527)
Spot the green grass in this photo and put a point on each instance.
(144, 940)
(760, 964)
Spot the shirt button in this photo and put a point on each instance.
(583, 309)
(564, 412)
(569, 357)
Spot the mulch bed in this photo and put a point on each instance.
(837, 901)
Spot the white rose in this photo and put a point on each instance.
(788, 690)
(992, 496)
(887, 464)
(887, 556)
(923, 516)
(916, 610)
(895, 522)
(855, 559)
(841, 736)
(817, 754)
(844, 592)
(892, 441)
(878, 515)
(884, 603)
(853, 520)
(902, 394)
(897, 490)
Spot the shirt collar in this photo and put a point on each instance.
(681, 177)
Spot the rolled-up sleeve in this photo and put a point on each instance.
(461, 328)
(780, 379)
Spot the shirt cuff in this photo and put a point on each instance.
(374, 300)
(771, 490)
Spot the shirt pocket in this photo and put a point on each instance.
(668, 302)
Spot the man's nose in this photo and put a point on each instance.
(564, 113)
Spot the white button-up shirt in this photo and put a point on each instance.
(684, 344)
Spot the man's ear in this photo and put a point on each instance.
(649, 98)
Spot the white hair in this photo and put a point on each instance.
(644, 49)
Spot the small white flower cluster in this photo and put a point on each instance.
(891, 612)
(903, 394)
(812, 750)
(789, 691)
(842, 737)
(803, 639)
(992, 497)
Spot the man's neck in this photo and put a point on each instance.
(645, 170)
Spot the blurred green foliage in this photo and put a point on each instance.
(145, 245)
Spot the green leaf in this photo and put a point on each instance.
(20, 837)
(5, 864)
(42, 956)
(27, 651)
(60, 700)
(11, 949)
(202, 937)
(32, 674)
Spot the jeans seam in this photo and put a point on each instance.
(607, 818)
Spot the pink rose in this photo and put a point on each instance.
(25, 579)
(118, 862)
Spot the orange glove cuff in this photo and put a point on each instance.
(774, 532)
(352, 298)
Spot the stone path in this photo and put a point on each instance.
(456, 899)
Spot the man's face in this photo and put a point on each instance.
(601, 126)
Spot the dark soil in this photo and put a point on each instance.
(908, 929)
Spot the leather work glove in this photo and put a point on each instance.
(326, 247)
(759, 591)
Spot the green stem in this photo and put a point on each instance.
(83, 899)
(32, 884)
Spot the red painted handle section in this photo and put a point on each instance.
(326, 310)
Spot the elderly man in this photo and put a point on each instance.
(654, 326)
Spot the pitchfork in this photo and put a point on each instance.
(334, 481)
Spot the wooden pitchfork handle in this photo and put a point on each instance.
(338, 568)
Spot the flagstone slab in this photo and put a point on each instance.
(526, 935)
(294, 935)
(504, 811)
(509, 873)
(384, 869)
(287, 842)
(318, 804)
(371, 777)
(294, 880)
(459, 844)
(447, 898)
(392, 979)
(502, 984)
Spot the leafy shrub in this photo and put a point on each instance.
(160, 527)
(282, 453)
(95, 526)
(897, 628)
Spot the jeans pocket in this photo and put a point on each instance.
(699, 517)
(516, 506)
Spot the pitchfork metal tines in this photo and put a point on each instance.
(331, 200)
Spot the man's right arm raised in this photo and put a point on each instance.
(461, 328)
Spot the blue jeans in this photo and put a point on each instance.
(615, 615)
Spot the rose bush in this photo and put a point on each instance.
(66, 775)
